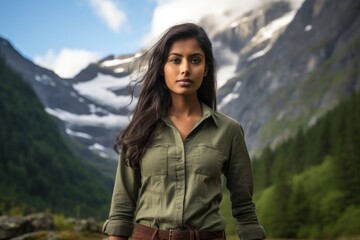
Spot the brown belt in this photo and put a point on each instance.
(178, 234)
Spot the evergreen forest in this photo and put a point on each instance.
(37, 170)
(309, 186)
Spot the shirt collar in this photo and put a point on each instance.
(207, 113)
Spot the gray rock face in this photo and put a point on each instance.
(309, 69)
(12, 226)
(85, 225)
(40, 221)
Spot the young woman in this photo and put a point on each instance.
(175, 149)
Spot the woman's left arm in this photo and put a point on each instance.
(240, 184)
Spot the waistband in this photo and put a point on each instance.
(156, 233)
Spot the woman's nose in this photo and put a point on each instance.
(185, 68)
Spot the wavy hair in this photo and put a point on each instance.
(154, 100)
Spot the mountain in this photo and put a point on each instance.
(87, 126)
(37, 169)
(311, 67)
(280, 68)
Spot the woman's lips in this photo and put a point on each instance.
(184, 82)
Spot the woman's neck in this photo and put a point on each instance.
(184, 113)
(185, 106)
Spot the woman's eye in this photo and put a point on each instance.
(175, 60)
(195, 60)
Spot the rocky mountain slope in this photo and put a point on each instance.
(309, 69)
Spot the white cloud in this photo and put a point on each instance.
(108, 12)
(68, 62)
(170, 12)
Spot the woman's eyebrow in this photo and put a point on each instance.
(191, 55)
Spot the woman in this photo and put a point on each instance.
(175, 149)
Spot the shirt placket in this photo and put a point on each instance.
(180, 179)
(180, 169)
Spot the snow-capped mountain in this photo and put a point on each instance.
(274, 64)
(83, 106)
(294, 79)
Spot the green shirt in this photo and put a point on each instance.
(178, 184)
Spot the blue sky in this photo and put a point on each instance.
(37, 25)
(66, 35)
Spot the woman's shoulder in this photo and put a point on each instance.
(226, 120)
(221, 119)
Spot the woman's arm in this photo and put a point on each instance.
(240, 184)
(123, 203)
(117, 238)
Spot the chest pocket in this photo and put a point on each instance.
(155, 161)
(208, 160)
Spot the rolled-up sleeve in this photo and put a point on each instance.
(240, 184)
(123, 203)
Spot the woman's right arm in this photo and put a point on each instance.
(123, 203)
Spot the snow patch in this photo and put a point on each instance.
(45, 79)
(230, 97)
(226, 71)
(108, 121)
(94, 109)
(237, 86)
(77, 134)
(267, 32)
(224, 74)
(308, 28)
(96, 146)
(99, 149)
(119, 70)
(259, 53)
(100, 89)
(103, 155)
(116, 62)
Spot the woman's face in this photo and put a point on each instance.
(185, 67)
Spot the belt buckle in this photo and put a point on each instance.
(170, 234)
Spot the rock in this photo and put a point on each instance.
(85, 225)
(41, 221)
(13, 226)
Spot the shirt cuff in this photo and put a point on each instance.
(118, 228)
(251, 232)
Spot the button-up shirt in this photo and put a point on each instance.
(178, 184)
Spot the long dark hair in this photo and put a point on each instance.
(154, 100)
